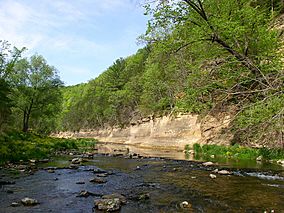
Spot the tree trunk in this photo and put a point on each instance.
(25, 124)
(27, 114)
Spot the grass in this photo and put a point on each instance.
(17, 146)
(237, 152)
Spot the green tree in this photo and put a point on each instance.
(36, 91)
(8, 57)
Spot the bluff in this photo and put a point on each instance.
(166, 132)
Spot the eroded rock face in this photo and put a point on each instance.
(165, 132)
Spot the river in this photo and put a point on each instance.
(166, 178)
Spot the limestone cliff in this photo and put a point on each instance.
(167, 132)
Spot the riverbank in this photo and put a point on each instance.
(18, 146)
(237, 152)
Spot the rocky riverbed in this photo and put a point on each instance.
(132, 183)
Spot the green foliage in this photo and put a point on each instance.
(36, 94)
(238, 152)
(15, 146)
(8, 58)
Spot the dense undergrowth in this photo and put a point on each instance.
(17, 146)
(237, 152)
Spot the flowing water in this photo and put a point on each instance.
(252, 187)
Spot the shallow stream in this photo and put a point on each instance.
(168, 178)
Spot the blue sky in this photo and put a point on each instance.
(81, 38)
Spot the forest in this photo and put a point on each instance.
(200, 57)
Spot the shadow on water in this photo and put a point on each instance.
(168, 182)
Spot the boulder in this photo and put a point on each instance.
(29, 201)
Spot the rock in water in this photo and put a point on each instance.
(29, 202)
(102, 175)
(98, 171)
(84, 193)
(185, 205)
(208, 164)
(212, 176)
(121, 198)
(224, 172)
(98, 180)
(108, 205)
(144, 196)
(50, 171)
(15, 204)
(76, 160)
